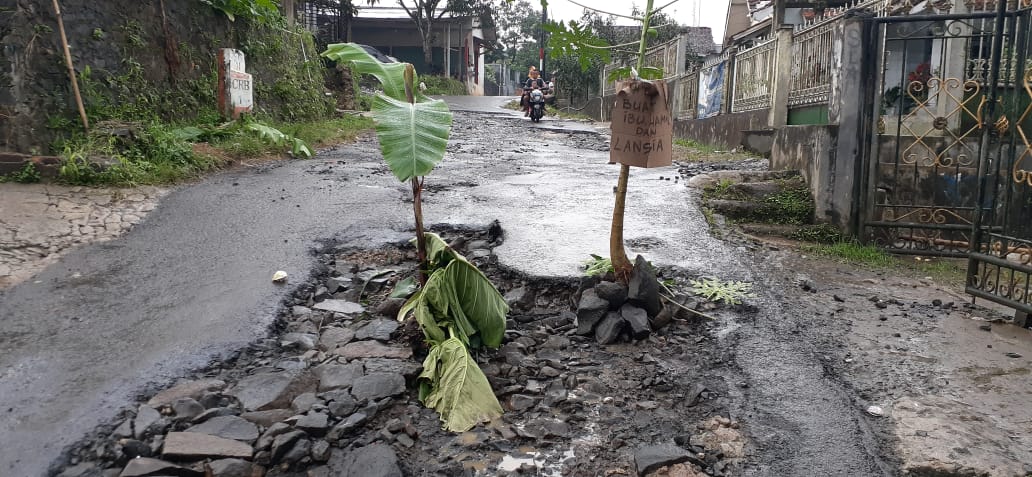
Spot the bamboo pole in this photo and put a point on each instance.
(71, 69)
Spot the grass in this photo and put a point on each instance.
(722, 190)
(692, 144)
(576, 116)
(945, 270)
(689, 150)
(791, 206)
(161, 154)
(818, 233)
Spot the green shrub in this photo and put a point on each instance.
(442, 85)
(27, 175)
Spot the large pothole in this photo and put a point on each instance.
(332, 391)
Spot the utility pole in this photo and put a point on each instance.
(541, 44)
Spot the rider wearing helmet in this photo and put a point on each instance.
(534, 81)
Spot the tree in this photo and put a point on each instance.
(345, 11)
(580, 41)
(426, 14)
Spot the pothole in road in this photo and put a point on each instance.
(434, 188)
(334, 385)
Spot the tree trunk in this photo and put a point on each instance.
(428, 54)
(417, 210)
(621, 264)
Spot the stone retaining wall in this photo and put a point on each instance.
(169, 71)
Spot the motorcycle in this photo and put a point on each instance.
(537, 104)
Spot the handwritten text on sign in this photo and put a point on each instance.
(642, 127)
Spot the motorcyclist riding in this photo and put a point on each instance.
(533, 82)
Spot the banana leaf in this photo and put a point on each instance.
(457, 388)
(391, 75)
(478, 301)
(413, 137)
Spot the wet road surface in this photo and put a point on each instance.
(193, 280)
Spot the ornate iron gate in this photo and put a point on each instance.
(949, 170)
(1000, 262)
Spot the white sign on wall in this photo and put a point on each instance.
(236, 87)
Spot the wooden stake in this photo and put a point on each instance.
(71, 69)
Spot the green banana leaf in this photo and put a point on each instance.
(438, 253)
(405, 288)
(478, 301)
(457, 389)
(413, 137)
(459, 296)
(391, 75)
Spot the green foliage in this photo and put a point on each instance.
(790, 206)
(390, 75)
(598, 266)
(693, 144)
(413, 136)
(453, 384)
(457, 309)
(730, 292)
(854, 252)
(364, 102)
(134, 33)
(156, 155)
(27, 175)
(443, 85)
(577, 41)
(625, 72)
(98, 34)
(265, 12)
(945, 270)
(405, 288)
(271, 135)
(819, 233)
(722, 189)
(129, 96)
(326, 131)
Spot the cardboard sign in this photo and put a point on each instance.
(236, 87)
(643, 130)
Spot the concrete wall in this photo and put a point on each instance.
(813, 150)
(726, 130)
(35, 92)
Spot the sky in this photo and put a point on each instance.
(712, 12)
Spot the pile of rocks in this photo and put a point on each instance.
(302, 401)
(611, 311)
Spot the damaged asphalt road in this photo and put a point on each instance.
(192, 281)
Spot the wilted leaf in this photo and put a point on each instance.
(188, 133)
(438, 253)
(478, 300)
(405, 288)
(459, 391)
